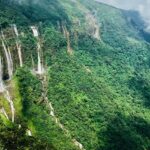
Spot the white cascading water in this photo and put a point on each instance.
(2, 110)
(35, 31)
(8, 56)
(40, 69)
(8, 97)
(29, 133)
(11, 61)
(67, 36)
(18, 44)
(4, 90)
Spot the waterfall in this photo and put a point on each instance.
(15, 30)
(4, 90)
(67, 36)
(9, 60)
(35, 31)
(10, 101)
(2, 110)
(33, 64)
(8, 56)
(69, 49)
(1, 77)
(96, 34)
(40, 68)
(19, 53)
(18, 44)
(29, 133)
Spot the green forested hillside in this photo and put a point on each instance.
(93, 91)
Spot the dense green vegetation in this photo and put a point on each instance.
(37, 115)
(11, 137)
(100, 93)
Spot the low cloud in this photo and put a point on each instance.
(142, 6)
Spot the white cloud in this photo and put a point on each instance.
(143, 6)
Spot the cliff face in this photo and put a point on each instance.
(74, 74)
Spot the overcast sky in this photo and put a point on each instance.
(143, 6)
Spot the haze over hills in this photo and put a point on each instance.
(74, 75)
(142, 6)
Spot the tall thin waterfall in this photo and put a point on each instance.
(8, 56)
(40, 68)
(67, 36)
(3, 89)
(35, 31)
(18, 44)
(3, 111)
(10, 101)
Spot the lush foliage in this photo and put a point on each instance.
(100, 93)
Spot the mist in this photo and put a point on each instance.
(142, 6)
(23, 2)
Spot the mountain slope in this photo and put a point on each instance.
(84, 83)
